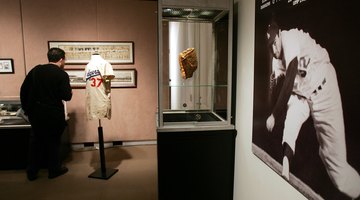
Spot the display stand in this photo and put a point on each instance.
(103, 172)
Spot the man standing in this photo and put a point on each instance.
(310, 75)
(297, 112)
(41, 94)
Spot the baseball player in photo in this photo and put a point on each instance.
(297, 112)
(310, 75)
(98, 75)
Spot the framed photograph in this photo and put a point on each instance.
(124, 78)
(76, 78)
(6, 66)
(297, 134)
(80, 52)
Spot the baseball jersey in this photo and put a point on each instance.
(312, 60)
(277, 68)
(98, 103)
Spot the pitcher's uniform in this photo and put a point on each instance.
(316, 81)
(297, 111)
(98, 103)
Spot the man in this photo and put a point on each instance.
(310, 75)
(41, 94)
(297, 112)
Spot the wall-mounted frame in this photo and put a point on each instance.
(124, 78)
(6, 66)
(76, 78)
(121, 52)
(313, 161)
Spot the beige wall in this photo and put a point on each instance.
(133, 109)
(11, 46)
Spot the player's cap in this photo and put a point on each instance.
(272, 31)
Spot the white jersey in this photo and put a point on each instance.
(98, 104)
(316, 80)
(312, 60)
(277, 68)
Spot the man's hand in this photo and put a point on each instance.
(270, 122)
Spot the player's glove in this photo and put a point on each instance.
(188, 63)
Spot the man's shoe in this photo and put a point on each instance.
(31, 176)
(58, 172)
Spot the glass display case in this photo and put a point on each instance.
(194, 118)
(15, 135)
(195, 64)
(9, 114)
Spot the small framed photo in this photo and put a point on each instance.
(6, 66)
(116, 52)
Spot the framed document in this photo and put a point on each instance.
(6, 66)
(124, 78)
(80, 52)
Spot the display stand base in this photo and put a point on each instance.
(103, 174)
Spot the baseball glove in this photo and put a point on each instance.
(188, 63)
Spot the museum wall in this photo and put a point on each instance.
(28, 25)
(11, 46)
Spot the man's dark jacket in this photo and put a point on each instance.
(41, 95)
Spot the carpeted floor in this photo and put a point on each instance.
(136, 178)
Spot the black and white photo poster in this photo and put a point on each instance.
(306, 94)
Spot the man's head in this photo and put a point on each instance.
(272, 31)
(56, 55)
(273, 36)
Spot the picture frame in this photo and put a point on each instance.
(308, 169)
(124, 78)
(115, 52)
(76, 77)
(6, 66)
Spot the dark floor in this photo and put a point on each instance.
(136, 178)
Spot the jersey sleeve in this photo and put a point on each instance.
(291, 47)
(277, 68)
(286, 89)
(108, 69)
